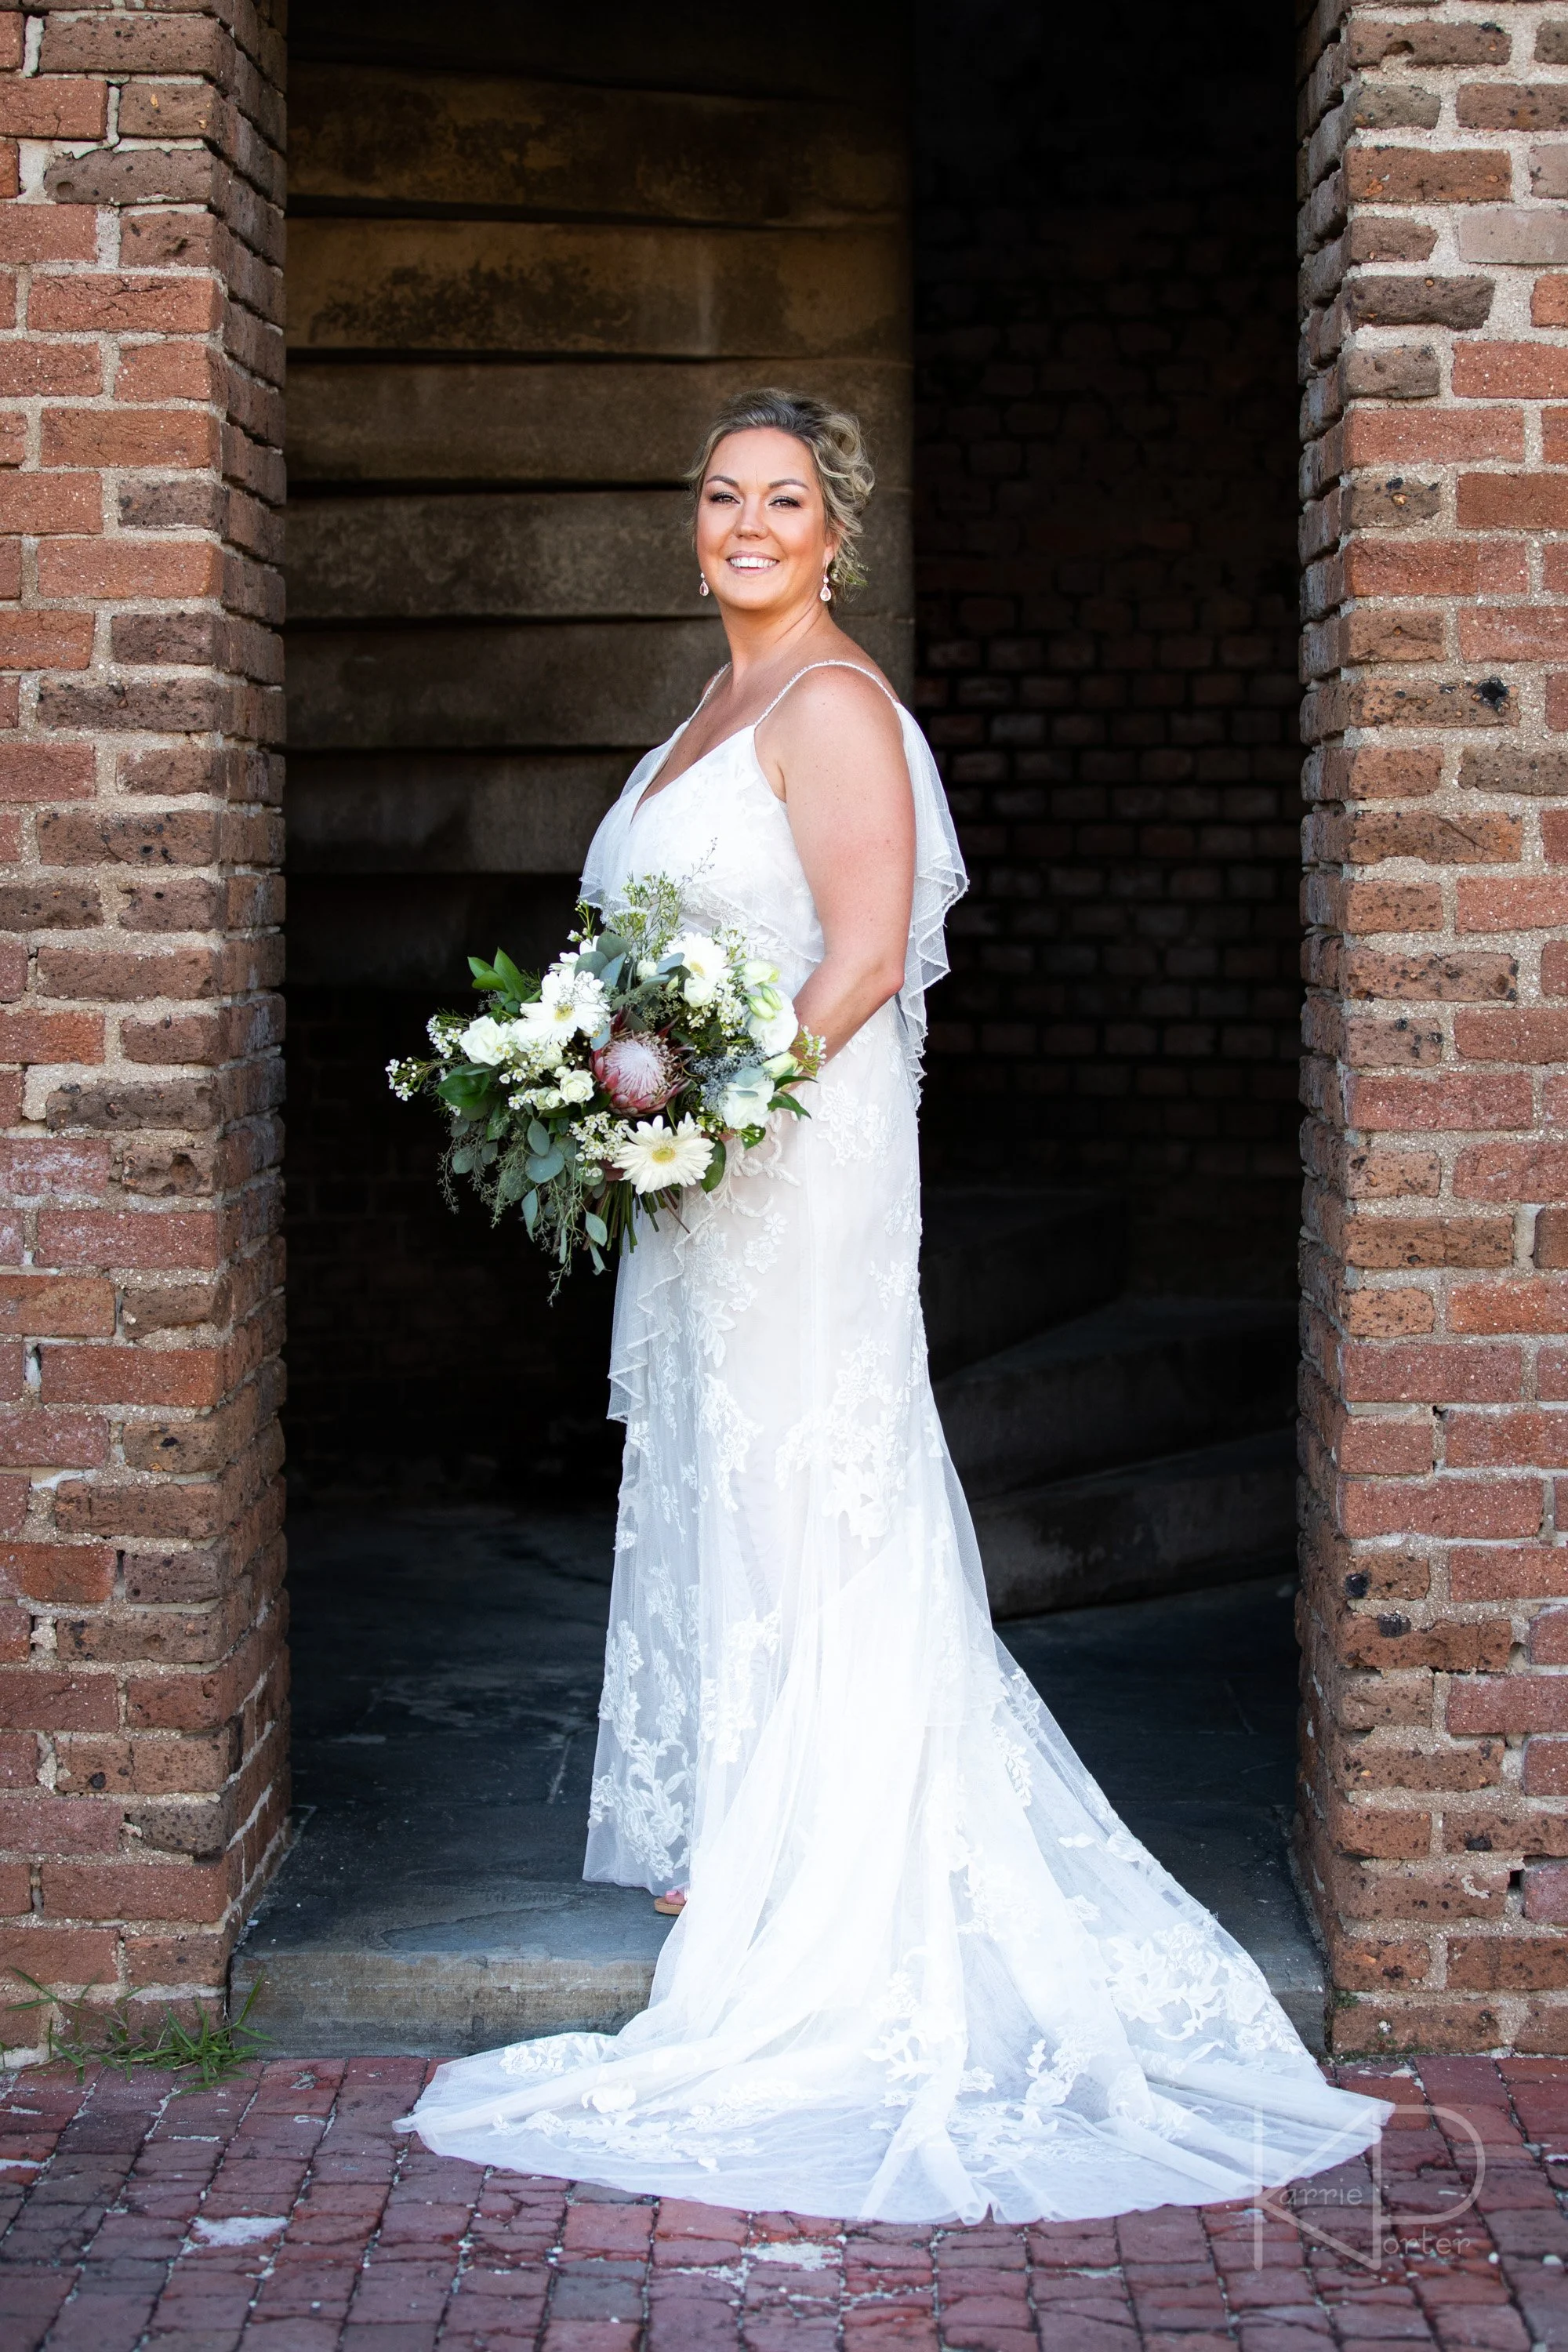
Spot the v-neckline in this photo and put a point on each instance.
(654, 790)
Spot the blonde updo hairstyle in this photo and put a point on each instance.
(844, 471)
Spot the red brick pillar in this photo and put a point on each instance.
(1434, 1788)
(142, 1692)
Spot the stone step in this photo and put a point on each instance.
(551, 1958)
(1141, 1378)
(1207, 1515)
(581, 1960)
(997, 1264)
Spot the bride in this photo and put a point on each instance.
(920, 1972)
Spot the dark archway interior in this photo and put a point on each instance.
(1103, 430)
(529, 249)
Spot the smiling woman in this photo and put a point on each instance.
(781, 491)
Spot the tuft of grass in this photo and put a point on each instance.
(85, 2036)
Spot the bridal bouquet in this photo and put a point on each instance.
(626, 1071)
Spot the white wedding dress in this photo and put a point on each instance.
(924, 1972)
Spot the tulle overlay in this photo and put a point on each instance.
(924, 1972)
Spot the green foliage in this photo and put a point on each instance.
(84, 2035)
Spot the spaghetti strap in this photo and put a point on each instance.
(857, 667)
(702, 698)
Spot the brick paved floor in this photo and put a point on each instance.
(282, 2214)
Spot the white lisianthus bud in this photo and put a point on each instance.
(772, 1020)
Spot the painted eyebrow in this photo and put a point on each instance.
(785, 482)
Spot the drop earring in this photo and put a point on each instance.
(826, 592)
(702, 587)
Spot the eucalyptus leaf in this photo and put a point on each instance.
(538, 1136)
(595, 1228)
(542, 1168)
(531, 1209)
(462, 1163)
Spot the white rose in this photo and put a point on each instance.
(486, 1041)
(576, 1086)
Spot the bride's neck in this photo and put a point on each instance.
(760, 644)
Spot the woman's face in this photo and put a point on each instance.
(762, 538)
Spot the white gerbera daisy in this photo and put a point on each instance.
(706, 965)
(570, 1004)
(656, 1157)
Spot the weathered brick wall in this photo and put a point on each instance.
(1435, 1834)
(1105, 460)
(141, 1689)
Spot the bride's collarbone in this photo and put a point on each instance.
(730, 723)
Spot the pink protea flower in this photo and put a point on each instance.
(639, 1070)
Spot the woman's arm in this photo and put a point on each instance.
(836, 747)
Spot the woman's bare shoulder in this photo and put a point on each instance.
(849, 689)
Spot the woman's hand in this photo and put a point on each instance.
(835, 754)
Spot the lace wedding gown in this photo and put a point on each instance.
(924, 1972)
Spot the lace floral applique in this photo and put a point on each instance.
(761, 1252)
(729, 1705)
(902, 1213)
(1053, 2076)
(1015, 1753)
(647, 1795)
(921, 2033)
(855, 1440)
(557, 2055)
(1185, 1981)
(896, 1284)
(853, 1127)
(729, 1432)
(718, 1292)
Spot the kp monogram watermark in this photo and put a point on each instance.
(1307, 2204)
